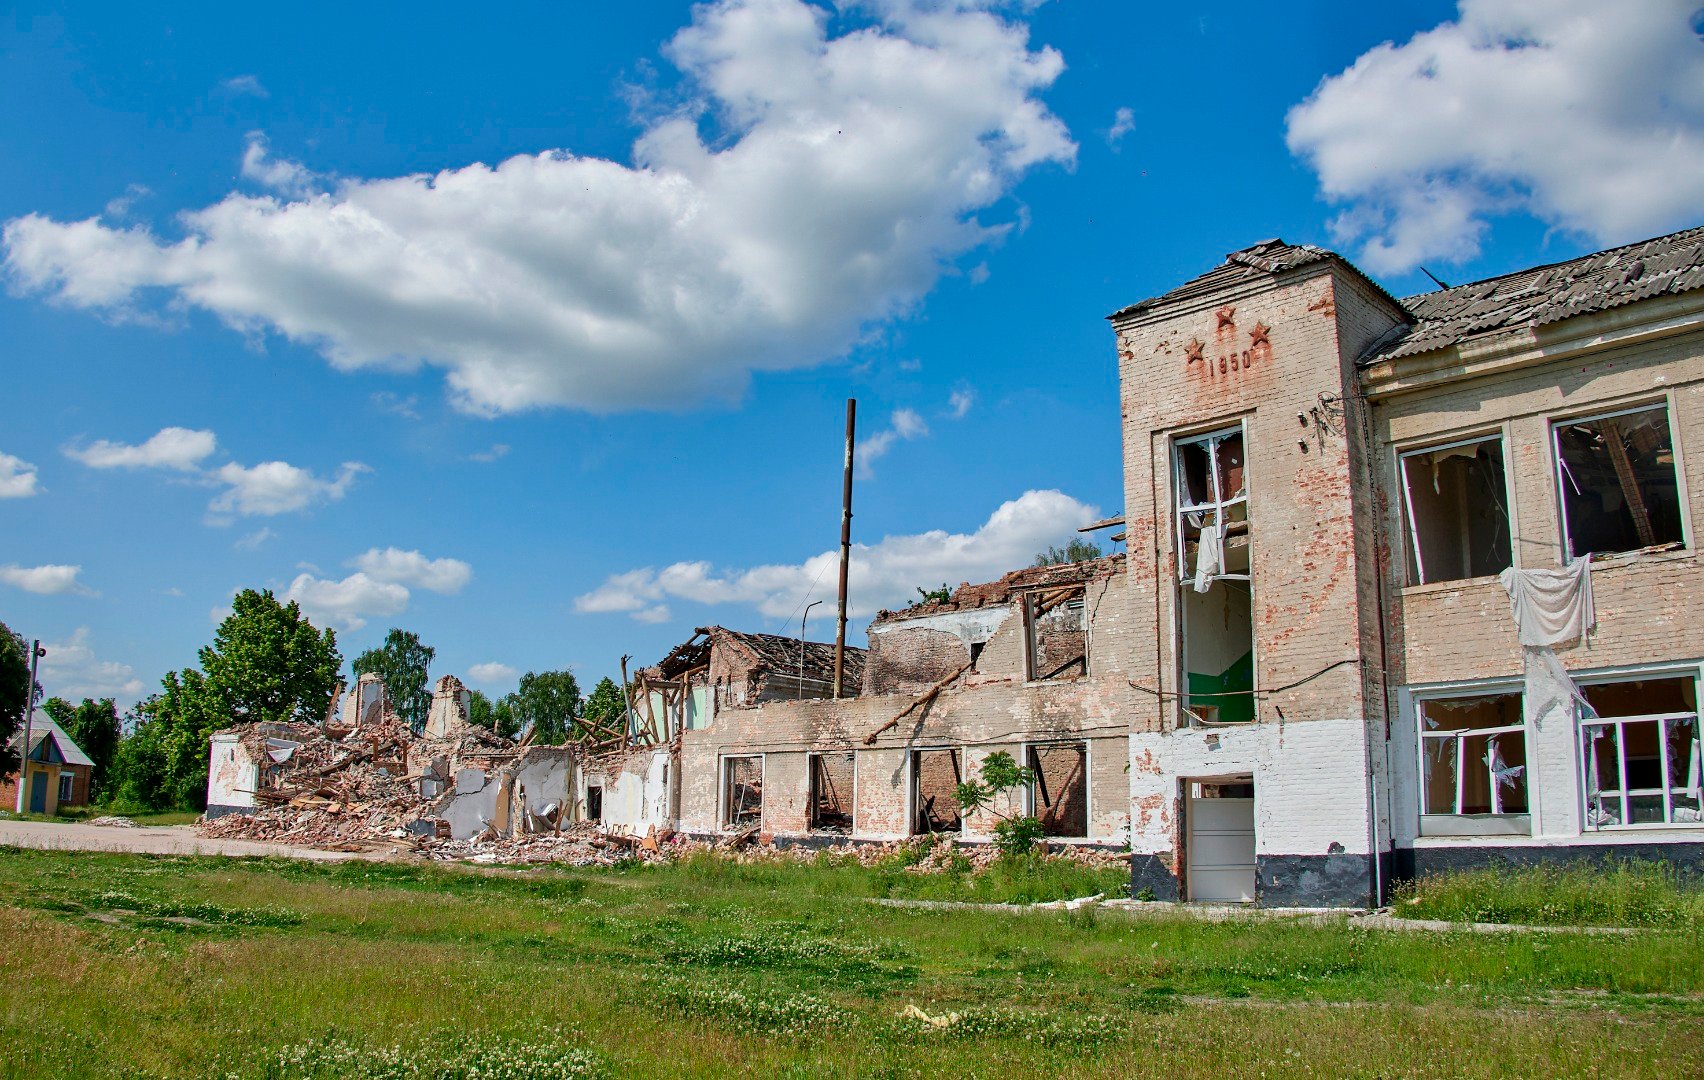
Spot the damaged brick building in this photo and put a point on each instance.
(1331, 495)
(1031, 664)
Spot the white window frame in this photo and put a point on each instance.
(1410, 530)
(1561, 477)
(1219, 504)
(1585, 759)
(67, 785)
(723, 817)
(1457, 823)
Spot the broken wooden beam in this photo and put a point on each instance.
(927, 696)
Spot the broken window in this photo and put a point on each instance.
(1473, 755)
(935, 779)
(1216, 610)
(742, 787)
(1619, 487)
(594, 802)
(1458, 511)
(832, 778)
(1056, 633)
(1059, 797)
(1640, 752)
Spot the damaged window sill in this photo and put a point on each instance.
(1455, 585)
(1476, 825)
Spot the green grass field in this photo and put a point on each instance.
(123, 965)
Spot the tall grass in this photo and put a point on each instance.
(161, 966)
(1618, 894)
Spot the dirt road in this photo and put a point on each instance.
(154, 840)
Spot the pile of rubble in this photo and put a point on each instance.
(362, 779)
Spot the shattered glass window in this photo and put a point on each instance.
(1640, 752)
(1473, 755)
(1620, 490)
(1456, 502)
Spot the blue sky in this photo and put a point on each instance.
(577, 386)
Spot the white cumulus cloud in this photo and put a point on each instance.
(276, 487)
(1587, 115)
(883, 574)
(904, 424)
(72, 670)
(172, 448)
(349, 603)
(413, 569)
(489, 673)
(18, 478)
(816, 185)
(48, 580)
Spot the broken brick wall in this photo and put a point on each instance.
(990, 709)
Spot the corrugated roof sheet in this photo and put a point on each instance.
(1251, 263)
(1548, 294)
(43, 726)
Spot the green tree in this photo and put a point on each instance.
(549, 702)
(479, 710)
(266, 663)
(605, 706)
(503, 719)
(94, 727)
(14, 681)
(1078, 550)
(1014, 833)
(402, 662)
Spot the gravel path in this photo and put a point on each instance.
(154, 840)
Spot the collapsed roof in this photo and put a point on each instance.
(760, 652)
(968, 597)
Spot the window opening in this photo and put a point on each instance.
(1059, 797)
(1458, 514)
(976, 648)
(1056, 633)
(1473, 755)
(832, 778)
(1619, 487)
(1214, 562)
(1641, 753)
(743, 792)
(594, 802)
(65, 779)
(935, 779)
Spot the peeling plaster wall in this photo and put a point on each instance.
(232, 776)
(635, 791)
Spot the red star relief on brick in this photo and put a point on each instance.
(1258, 335)
(1194, 351)
(1227, 316)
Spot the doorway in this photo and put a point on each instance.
(1220, 854)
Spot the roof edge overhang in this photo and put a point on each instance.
(1159, 309)
(1514, 348)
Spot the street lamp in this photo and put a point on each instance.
(802, 619)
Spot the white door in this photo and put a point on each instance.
(1221, 850)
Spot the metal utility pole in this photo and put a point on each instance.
(802, 619)
(845, 546)
(36, 653)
